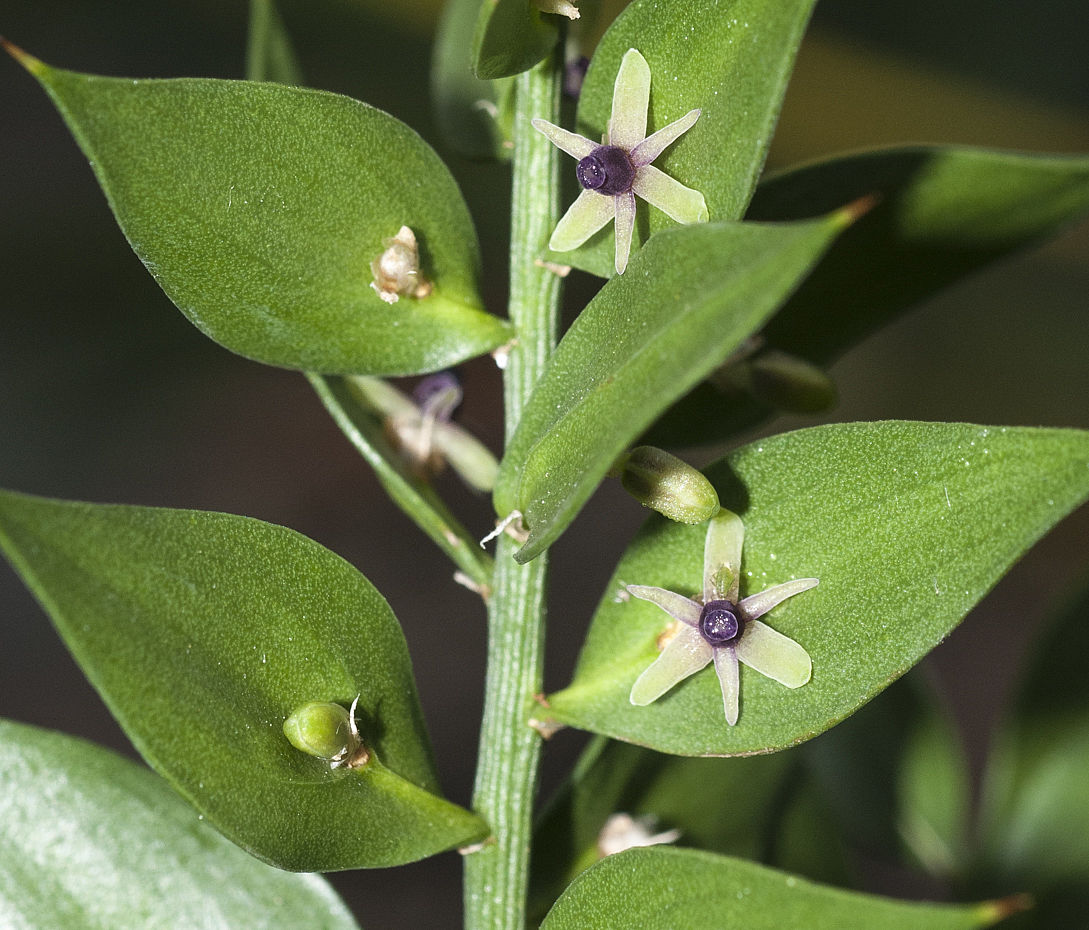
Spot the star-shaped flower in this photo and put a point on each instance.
(722, 628)
(421, 429)
(612, 173)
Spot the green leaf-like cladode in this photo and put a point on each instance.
(733, 63)
(935, 795)
(661, 793)
(942, 213)
(895, 778)
(689, 298)
(1035, 815)
(511, 36)
(270, 55)
(203, 632)
(259, 209)
(906, 525)
(662, 889)
(472, 113)
(367, 431)
(90, 840)
(806, 840)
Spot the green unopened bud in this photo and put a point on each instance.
(776, 378)
(790, 383)
(664, 483)
(324, 730)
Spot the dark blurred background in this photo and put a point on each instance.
(108, 394)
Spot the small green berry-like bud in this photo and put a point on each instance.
(321, 729)
(665, 483)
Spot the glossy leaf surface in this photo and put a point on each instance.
(511, 36)
(663, 889)
(907, 525)
(943, 213)
(687, 300)
(471, 112)
(732, 62)
(259, 208)
(203, 632)
(698, 797)
(93, 840)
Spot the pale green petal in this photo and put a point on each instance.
(656, 143)
(676, 605)
(382, 397)
(722, 557)
(773, 654)
(729, 679)
(583, 218)
(559, 7)
(685, 655)
(467, 455)
(676, 201)
(625, 226)
(631, 97)
(570, 142)
(756, 605)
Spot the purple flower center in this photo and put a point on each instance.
(607, 170)
(720, 623)
(574, 73)
(434, 385)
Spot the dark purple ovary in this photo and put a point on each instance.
(720, 623)
(607, 170)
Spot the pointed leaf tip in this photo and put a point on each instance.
(274, 258)
(194, 628)
(602, 390)
(1001, 908)
(857, 209)
(701, 889)
(28, 61)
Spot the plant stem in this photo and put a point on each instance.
(496, 877)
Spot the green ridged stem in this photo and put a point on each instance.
(496, 876)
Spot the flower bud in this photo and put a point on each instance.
(790, 383)
(397, 270)
(622, 831)
(322, 729)
(664, 483)
(559, 7)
